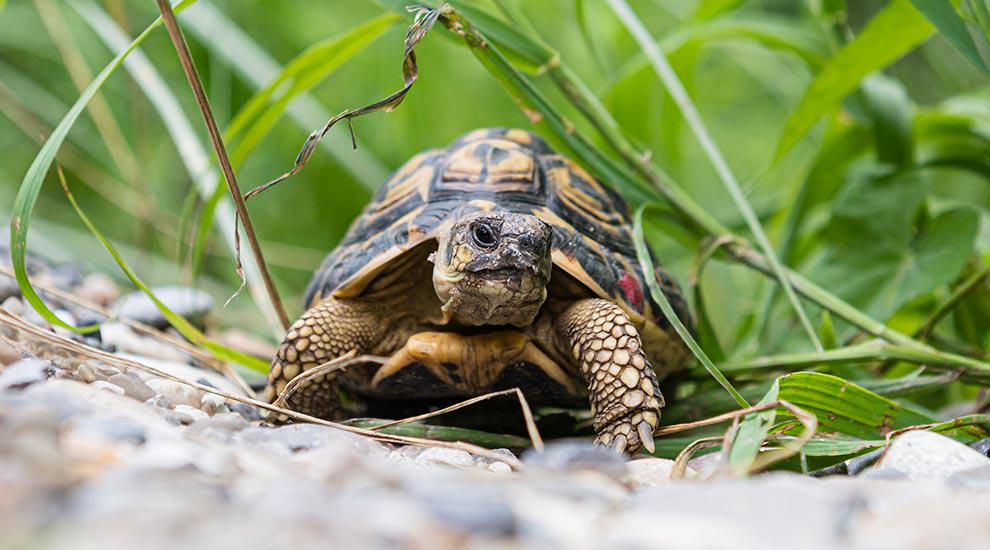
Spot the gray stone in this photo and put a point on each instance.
(12, 304)
(212, 403)
(191, 303)
(650, 472)
(188, 415)
(20, 374)
(219, 428)
(922, 454)
(133, 386)
(301, 437)
(976, 479)
(248, 412)
(98, 288)
(115, 428)
(177, 393)
(577, 455)
(447, 457)
(107, 386)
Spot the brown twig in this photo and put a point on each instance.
(531, 429)
(50, 341)
(676, 428)
(182, 49)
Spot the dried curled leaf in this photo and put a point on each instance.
(423, 21)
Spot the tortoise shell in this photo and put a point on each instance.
(513, 170)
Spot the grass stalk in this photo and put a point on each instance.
(690, 113)
(873, 351)
(189, 68)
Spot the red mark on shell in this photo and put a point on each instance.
(630, 287)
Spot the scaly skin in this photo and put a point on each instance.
(624, 393)
(325, 332)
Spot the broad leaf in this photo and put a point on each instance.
(893, 32)
(844, 407)
(878, 256)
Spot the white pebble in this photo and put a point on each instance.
(107, 386)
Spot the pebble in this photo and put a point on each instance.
(179, 394)
(98, 288)
(133, 386)
(212, 403)
(107, 386)
(447, 457)
(499, 468)
(191, 303)
(576, 456)
(20, 374)
(13, 304)
(650, 472)
(921, 454)
(189, 415)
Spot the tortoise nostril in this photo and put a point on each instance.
(529, 242)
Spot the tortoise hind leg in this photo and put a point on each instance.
(329, 330)
(624, 393)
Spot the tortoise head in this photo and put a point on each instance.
(492, 268)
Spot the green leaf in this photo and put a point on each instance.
(827, 331)
(840, 446)
(708, 9)
(752, 432)
(893, 32)
(844, 407)
(27, 194)
(887, 103)
(180, 323)
(878, 255)
(946, 19)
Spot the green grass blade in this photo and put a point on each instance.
(752, 432)
(27, 194)
(180, 323)
(946, 19)
(194, 156)
(676, 90)
(221, 35)
(265, 108)
(646, 263)
(893, 32)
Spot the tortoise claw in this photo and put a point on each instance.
(646, 436)
(629, 434)
(619, 444)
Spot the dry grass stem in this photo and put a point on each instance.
(182, 49)
(43, 341)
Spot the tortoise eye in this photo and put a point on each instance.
(484, 235)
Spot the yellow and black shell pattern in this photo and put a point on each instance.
(512, 170)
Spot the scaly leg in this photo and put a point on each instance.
(330, 329)
(624, 393)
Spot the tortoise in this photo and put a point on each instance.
(494, 263)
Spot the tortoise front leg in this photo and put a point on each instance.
(624, 393)
(327, 331)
